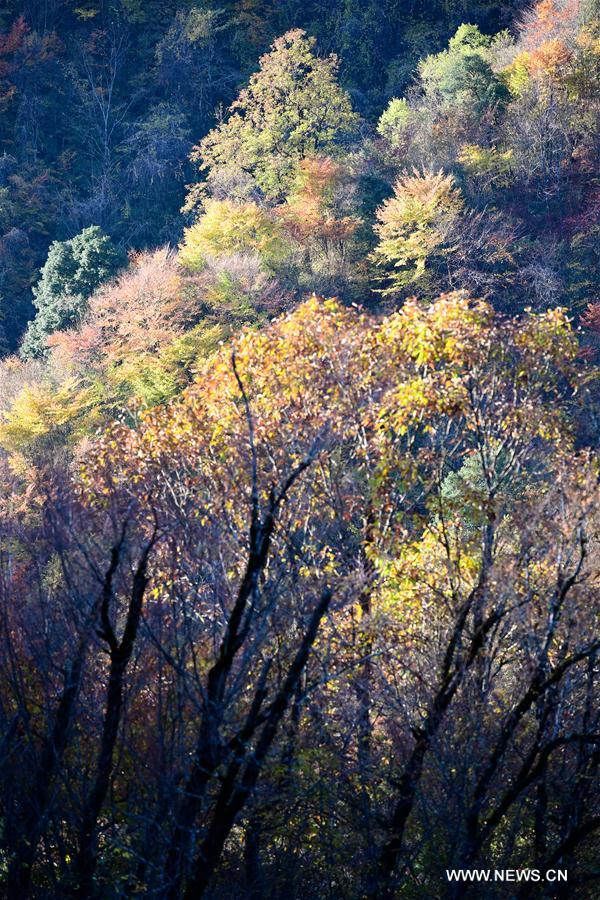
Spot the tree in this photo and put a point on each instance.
(319, 215)
(293, 108)
(228, 226)
(429, 240)
(456, 100)
(462, 76)
(102, 113)
(416, 226)
(475, 554)
(138, 339)
(72, 272)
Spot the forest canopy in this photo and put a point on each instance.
(299, 422)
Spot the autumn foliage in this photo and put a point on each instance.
(299, 482)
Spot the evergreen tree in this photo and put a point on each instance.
(73, 270)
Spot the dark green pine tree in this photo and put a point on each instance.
(72, 272)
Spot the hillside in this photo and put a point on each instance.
(299, 359)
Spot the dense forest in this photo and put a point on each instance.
(299, 427)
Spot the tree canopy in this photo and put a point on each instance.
(292, 109)
(299, 430)
(73, 270)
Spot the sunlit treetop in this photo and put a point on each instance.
(328, 374)
(293, 108)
